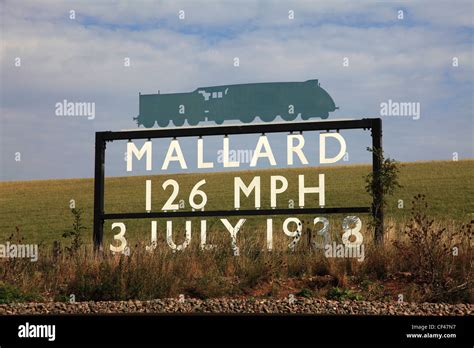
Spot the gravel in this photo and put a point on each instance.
(228, 305)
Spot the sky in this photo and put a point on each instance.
(406, 51)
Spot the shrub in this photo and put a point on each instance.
(340, 294)
(10, 293)
(74, 233)
(440, 259)
(305, 293)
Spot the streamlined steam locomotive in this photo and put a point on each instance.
(242, 102)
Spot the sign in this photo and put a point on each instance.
(242, 189)
(243, 102)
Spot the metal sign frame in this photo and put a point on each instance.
(101, 138)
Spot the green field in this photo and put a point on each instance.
(41, 209)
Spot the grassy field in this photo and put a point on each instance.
(41, 209)
(419, 264)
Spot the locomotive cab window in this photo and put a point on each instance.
(219, 94)
(205, 94)
(214, 94)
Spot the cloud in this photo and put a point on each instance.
(82, 60)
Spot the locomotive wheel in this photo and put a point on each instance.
(268, 118)
(193, 121)
(178, 121)
(289, 117)
(163, 123)
(248, 119)
(148, 123)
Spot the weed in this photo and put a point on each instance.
(305, 293)
(75, 232)
(440, 259)
(340, 294)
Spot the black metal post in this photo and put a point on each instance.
(99, 191)
(377, 158)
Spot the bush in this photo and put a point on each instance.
(305, 293)
(439, 259)
(10, 293)
(340, 294)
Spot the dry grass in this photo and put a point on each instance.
(385, 273)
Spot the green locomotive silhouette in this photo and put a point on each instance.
(242, 102)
